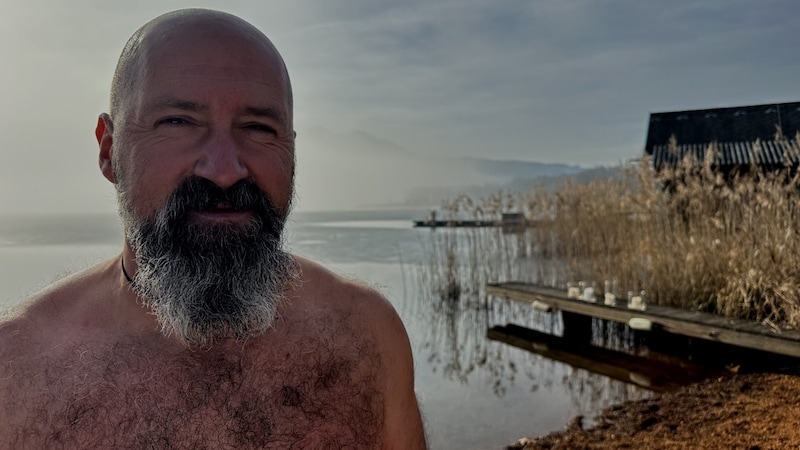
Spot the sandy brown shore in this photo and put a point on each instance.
(754, 411)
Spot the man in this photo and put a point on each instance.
(204, 333)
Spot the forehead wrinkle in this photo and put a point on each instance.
(175, 103)
(159, 69)
(198, 69)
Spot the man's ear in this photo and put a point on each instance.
(104, 133)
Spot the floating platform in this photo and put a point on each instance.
(695, 324)
(507, 220)
(457, 223)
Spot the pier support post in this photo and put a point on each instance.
(577, 328)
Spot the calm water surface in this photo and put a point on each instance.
(474, 393)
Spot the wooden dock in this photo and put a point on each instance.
(507, 220)
(712, 327)
(457, 223)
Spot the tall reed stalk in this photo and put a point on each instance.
(687, 236)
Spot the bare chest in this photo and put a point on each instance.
(304, 398)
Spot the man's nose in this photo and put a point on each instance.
(220, 161)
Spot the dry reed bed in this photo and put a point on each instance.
(687, 236)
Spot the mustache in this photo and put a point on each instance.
(199, 194)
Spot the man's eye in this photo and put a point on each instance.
(174, 121)
(261, 128)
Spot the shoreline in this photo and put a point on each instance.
(752, 411)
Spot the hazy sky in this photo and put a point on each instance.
(542, 80)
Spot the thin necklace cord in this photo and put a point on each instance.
(124, 272)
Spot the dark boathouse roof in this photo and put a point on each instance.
(742, 136)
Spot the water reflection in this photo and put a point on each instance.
(659, 374)
(456, 314)
(469, 335)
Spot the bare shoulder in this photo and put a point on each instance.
(54, 313)
(373, 318)
(30, 332)
(367, 308)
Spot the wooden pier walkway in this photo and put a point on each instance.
(507, 220)
(457, 223)
(712, 327)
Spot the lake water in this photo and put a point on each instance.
(474, 393)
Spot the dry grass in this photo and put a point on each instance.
(725, 246)
(463, 260)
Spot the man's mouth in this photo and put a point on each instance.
(223, 206)
(222, 212)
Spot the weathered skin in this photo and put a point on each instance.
(84, 364)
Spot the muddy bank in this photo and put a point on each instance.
(753, 411)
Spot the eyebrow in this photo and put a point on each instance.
(269, 113)
(174, 103)
(188, 105)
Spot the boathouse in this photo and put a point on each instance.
(764, 136)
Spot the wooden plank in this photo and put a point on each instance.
(696, 324)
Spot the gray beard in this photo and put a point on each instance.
(204, 283)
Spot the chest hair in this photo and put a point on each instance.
(124, 397)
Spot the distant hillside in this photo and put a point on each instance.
(521, 169)
(582, 176)
(337, 171)
(425, 196)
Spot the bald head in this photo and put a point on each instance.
(181, 25)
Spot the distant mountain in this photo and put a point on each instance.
(521, 169)
(508, 175)
(583, 176)
(354, 170)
